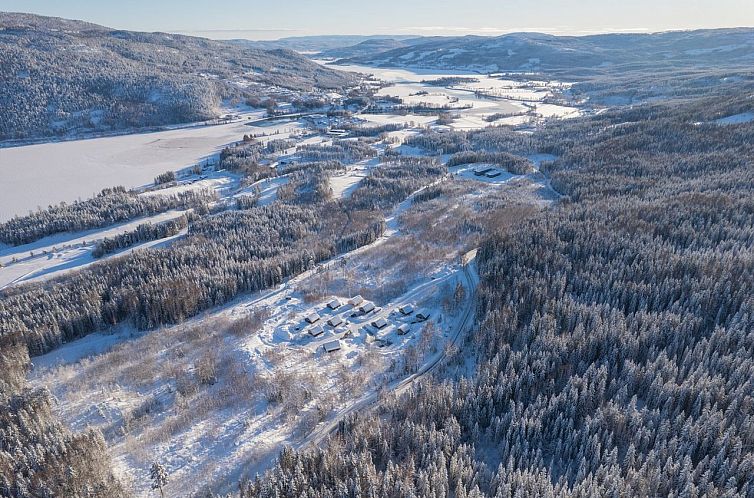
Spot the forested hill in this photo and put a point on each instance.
(615, 344)
(578, 55)
(61, 76)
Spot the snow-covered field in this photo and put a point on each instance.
(36, 176)
(215, 398)
(60, 253)
(274, 383)
(744, 117)
(487, 96)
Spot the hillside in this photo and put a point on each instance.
(322, 43)
(369, 47)
(61, 76)
(572, 54)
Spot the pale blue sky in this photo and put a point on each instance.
(269, 19)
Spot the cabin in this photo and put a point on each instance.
(316, 331)
(380, 323)
(403, 329)
(406, 309)
(312, 318)
(366, 308)
(331, 347)
(482, 170)
(356, 301)
(422, 316)
(335, 321)
(334, 304)
(334, 132)
(493, 174)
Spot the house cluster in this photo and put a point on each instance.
(337, 315)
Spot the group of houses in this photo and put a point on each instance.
(360, 307)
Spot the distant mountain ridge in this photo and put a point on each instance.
(62, 76)
(542, 52)
(319, 43)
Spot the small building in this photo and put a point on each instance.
(356, 301)
(334, 304)
(316, 331)
(312, 318)
(482, 170)
(493, 174)
(403, 329)
(366, 308)
(422, 316)
(335, 321)
(331, 347)
(406, 309)
(380, 323)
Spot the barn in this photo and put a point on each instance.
(334, 304)
(356, 301)
(403, 329)
(422, 316)
(335, 321)
(312, 318)
(380, 323)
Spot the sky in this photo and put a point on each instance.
(272, 19)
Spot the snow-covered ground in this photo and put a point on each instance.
(744, 117)
(218, 437)
(272, 382)
(36, 176)
(60, 253)
(266, 189)
(485, 97)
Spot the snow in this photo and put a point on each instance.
(344, 184)
(744, 117)
(59, 253)
(237, 426)
(268, 189)
(35, 176)
(467, 171)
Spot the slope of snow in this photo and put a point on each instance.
(744, 117)
(50, 256)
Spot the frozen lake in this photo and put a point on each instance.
(35, 176)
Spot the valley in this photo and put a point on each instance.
(459, 266)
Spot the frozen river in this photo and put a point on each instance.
(35, 176)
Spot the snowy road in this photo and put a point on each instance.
(371, 400)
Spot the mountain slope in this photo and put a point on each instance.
(61, 76)
(319, 43)
(369, 47)
(536, 51)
